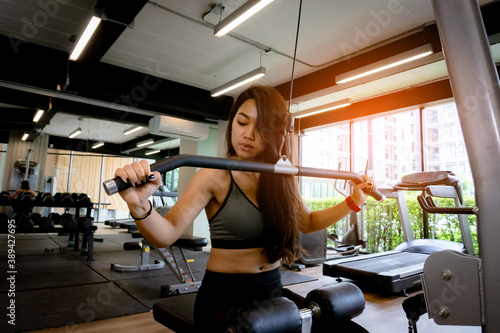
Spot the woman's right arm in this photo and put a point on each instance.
(164, 231)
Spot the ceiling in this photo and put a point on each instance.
(164, 59)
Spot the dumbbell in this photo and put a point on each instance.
(38, 200)
(25, 222)
(46, 223)
(85, 201)
(35, 217)
(74, 196)
(26, 196)
(57, 198)
(4, 198)
(325, 308)
(47, 199)
(56, 217)
(4, 223)
(85, 223)
(68, 221)
(67, 200)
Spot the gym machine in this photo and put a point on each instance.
(162, 201)
(400, 269)
(187, 282)
(326, 309)
(116, 184)
(462, 289)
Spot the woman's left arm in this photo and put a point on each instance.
(321, 219)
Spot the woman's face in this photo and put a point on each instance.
(245, 137)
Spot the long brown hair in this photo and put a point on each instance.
(277, 195)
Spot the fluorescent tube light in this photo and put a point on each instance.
(237, 17)
(98, 144)
(84, 39)
(132, 129)
(145, 143)
(244, 79)
(387, 63)
(75, 132)
(38, 115)
(25, 136)
(151, 152)
(328, 107)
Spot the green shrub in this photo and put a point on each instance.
(380, 224)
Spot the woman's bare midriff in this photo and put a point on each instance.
(239, 261)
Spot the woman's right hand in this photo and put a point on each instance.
(144, 182)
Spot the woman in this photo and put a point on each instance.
(25, 188)
(254, 218)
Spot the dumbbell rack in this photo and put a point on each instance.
(62, 200)
(187, 283)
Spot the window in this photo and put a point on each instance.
(461, 150)
(451, 151)
(380, 143)
(327, 156)
(432, 115)
(450, 112)
(433, 134)
(433, 154)
(343, 143)
(449, 131)
(451, 167)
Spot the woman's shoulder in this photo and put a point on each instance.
(211, 180)
(213, 174)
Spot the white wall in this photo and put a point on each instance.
(209, 147)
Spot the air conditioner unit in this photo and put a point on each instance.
(178, 128)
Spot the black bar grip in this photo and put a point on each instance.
(116, 185)
(429, 206)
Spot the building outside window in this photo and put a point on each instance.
(391, 146)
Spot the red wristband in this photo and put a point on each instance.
(352, 204)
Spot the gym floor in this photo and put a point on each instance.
(383, 313)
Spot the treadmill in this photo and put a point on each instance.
(400, 269)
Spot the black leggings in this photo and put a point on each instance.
(221, 294)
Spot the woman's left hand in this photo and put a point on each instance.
(360, 191)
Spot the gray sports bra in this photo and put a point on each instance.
(238, 223)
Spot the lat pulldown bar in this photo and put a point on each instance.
(116, 185)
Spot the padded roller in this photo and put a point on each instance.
(341, 301)
(271, 316)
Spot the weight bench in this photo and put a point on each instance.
(176, 312)
(324, 309)
(187, 283)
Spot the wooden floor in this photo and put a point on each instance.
(382, 314)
